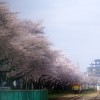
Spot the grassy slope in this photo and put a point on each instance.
(86, 95)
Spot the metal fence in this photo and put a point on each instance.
(24, 95)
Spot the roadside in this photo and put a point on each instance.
(64, 96)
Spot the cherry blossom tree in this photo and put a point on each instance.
(27, 55)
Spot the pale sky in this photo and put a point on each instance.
(73, 26)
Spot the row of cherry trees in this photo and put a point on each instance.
(26, 54)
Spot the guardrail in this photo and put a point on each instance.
(24, 95)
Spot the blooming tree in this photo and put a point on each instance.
(27, 55)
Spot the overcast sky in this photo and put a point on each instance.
(73, 26)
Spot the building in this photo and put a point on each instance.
(94, 69)
(93, 72)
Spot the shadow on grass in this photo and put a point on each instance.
(54, 95)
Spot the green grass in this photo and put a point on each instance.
(87, 93)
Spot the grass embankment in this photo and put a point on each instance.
(86, 94)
